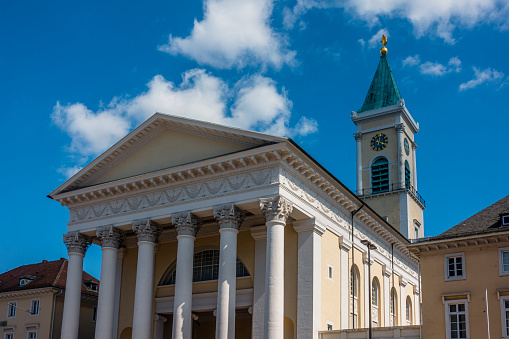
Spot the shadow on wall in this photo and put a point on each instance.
(288, 329)
(127, 333)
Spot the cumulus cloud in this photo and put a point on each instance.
(233, 34)
(480, 77)
(439, 17)
(256, 103)
(412, 60)
(433, 68)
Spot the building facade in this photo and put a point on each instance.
(209, 231)
(465, 277)
(32, 301)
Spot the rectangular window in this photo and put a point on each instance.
(330, 325)
(503, 260)
(94, 314)
(505, 220)
(9, 336)
(504, 308)
(34, 307)
(457, 320)
(32, 335)
(330, 271)
(455, 266)
(11, 310)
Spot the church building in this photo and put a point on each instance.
(210, 231)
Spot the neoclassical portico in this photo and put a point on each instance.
(240, 239)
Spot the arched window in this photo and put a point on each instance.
(380, 175)
(408, 311)
(407, 175)
(205, 268)
(354, 295)
(393, 308)
(375, 289)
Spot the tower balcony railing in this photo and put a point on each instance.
(388, 188)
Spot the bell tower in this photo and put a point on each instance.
(386, 153)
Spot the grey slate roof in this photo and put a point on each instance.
(485, 221)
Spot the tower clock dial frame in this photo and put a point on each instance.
(379, 142)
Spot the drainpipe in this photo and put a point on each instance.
(53, 314)
(420, 308)
(391, 294)
(353, 262)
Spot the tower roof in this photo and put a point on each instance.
(383, 91)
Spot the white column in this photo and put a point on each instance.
(346, 246)
(366, 290)
(118, 286)
(387, 298)
(358, 139)
(259, 234)
(159, 326)
(417, 307)
(414, 146)
(229, 219)
(276, 211)
(402, 299)
(77, 245)
(309, 275)
(187, 225)
(401, 157)
(110, 241)
(147, 232)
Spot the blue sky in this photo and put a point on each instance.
(77, 76)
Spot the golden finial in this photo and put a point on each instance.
(383, 51)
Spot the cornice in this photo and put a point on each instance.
(202, 170)
(490, 239)
(399, 108)
(29, 292)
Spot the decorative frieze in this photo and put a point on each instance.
(110, 236)
(186, 224)
(77, 242)
(276, 208)
(229, 216)
(147, 230)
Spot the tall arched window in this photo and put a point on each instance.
(375, 289)
(408, 311)
(205, 268)
(393, 308)
(380, 175)
(354, 295)
(407, 175)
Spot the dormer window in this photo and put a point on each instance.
(25, 280)
(505, 220)
(91, 285)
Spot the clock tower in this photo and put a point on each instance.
(386, 162)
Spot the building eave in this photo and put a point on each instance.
(399, 108)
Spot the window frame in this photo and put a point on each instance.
(503, 218)
(501, 271)
(408, 175)
(7, 334)
(505, 328)
(408, 311)
(447, 314)
(331, 324)
(38, 307)
(94, 314)
(380, 188)
(463, 266)
(9, 304)
(32, 332)
(330, 272)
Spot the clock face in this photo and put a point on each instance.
(379, 141)
(407, 147)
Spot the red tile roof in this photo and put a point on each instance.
(48, 273)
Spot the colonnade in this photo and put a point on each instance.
(275, 210)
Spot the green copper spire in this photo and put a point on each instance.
(383, 91)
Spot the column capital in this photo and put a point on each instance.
(400, 127)
(276, 208)
(414, 145)
(186, 223)
(77, 242)
(110, 236)
(229, 216)
(386, 271)
(403, 282)
(147, 230)
(357, 136)
(308, 225)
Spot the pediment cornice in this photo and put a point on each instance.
(147, 131)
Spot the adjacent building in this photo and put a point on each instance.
(209, 231)
(465, 277)
(32, 301)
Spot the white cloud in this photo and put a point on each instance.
(434, 68)
(412, 60)
(480, 77)
(256, 104)
(440, 17)
(69, 171)
(233, 34)
(362, 42)
(374, 41)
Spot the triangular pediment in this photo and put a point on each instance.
(163, 142)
